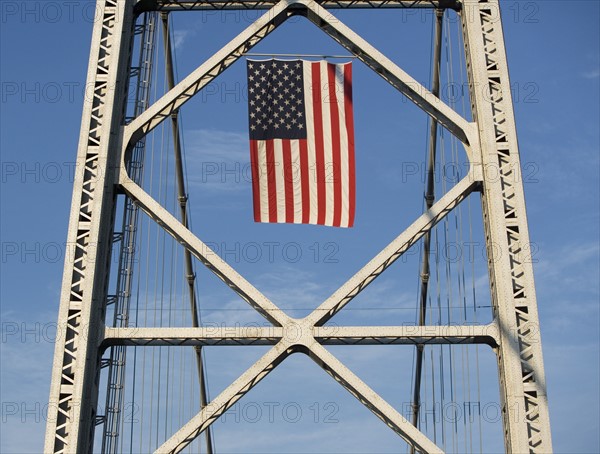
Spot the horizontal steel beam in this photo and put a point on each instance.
(203, 5)
(325, 335)
(406, 335)
(155, 337)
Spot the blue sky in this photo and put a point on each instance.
(553, 54)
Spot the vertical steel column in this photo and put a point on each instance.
(520, 365)
(74, 388)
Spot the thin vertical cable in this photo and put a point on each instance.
(128, 238)
(429, 199)
(182, 197)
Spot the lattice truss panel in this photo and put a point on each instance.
(84, 280)
(520, 359)
(108, 140)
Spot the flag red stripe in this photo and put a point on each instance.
(350, 132)
(255, 182)
(271, 184)
(288, 180)
(336, 152)
(319, 147)
(305, 181)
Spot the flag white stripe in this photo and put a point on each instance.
(297, 182)
(311, 178)
(344, 158)
(263, 181)
(327, 143)
(279, 189)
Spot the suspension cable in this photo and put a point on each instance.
(128, 237)
(182, 197)
(429, 199)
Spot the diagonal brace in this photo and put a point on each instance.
(393, 74)
(261, 28)
(393, 251)
(226, 399)
(205, 73)
(203, 253)
(371, 399)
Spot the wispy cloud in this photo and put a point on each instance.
(593, 74)
(567, 279)
(180, 37)
(218, 144)
(26, 350)
(218, 160)
(556, 263)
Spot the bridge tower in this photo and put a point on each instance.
(107, 197)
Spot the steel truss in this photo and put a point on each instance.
(490, 142)
(199, 5)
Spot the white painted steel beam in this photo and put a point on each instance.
(226, 399)
(393, 251)
(344, 294)
(199, 5)
(392, 73)
(206, 73)
(297, 338)
(324, 20)
(204, 336)
(202, 252)
(73, 391)
(325, 335)
(407, 335)
(522, 379)
(370, 399)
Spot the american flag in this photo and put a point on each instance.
(302, 142)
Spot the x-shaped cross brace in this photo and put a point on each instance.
(300, 335)
(297, 335)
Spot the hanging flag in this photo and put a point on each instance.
(302, 142)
